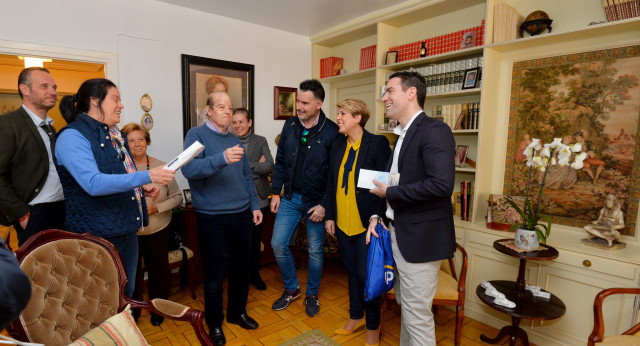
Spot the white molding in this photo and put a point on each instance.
(22, 48)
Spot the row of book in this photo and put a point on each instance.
(460, 116)
(621, 9)
(368, 57)
(463, 201)
(506, 21)
(330, 66)
(450, 76)
(441, 44)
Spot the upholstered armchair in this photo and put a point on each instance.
(450, 290)
(78, 282)
(629, 337)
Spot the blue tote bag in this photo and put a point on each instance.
(380, 266)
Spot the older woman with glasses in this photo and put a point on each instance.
(103, 192)
(349, 208)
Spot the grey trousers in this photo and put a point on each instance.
(415, 287)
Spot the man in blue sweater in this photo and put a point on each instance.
(226, 204)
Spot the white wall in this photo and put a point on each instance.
(148, 38)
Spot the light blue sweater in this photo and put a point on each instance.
(218, 187)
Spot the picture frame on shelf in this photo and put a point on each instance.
(468, 40)
(392, 124)
(461, 155)
(202, 76)
(470, 78)
(391, 58)
(187, 196)
(284, 102)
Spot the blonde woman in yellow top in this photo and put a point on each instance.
(349, 207)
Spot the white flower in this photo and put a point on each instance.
(554, 161)
(535, 144)
(537, 161)
(577, 164)
(564, 155)
(576, 147)
(556, 142)
(546, 151)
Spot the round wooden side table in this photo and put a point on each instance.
(527, 306)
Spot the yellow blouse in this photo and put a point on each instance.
(348, 216)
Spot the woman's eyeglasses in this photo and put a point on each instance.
(303, 140)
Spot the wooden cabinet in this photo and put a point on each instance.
(576, 276)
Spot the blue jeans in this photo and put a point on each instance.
(289, 216)
(127, 246)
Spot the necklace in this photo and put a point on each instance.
(147, 162)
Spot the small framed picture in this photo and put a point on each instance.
(468, 40)
(459, 121)
(470, 78)
(392, 57)
(461, 155)
(392, 124)
(187, 196)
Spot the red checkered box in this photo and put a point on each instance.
(330, 66)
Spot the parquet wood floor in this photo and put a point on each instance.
(277, 327)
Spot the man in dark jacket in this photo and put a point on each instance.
(301, 167)
(31, 197)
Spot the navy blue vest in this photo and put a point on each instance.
(102, 216)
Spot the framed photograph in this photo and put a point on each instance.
(461, 155)
(284, 102)
(470, 78)
(187, 196)
(392, 58)
(392, 124)
(468, 40)
(202, 76)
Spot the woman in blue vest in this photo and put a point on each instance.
(102, 189)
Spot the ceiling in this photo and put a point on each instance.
(302, 17)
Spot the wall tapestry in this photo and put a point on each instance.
(592, 98)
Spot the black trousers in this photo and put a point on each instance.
(353, 250)
(254, 254)
(225, 239)
(154, 249)
(43, 216)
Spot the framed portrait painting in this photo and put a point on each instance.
(284, 102)
(202, 76)
(589, 98)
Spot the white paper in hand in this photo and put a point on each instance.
(185, 156)
(366, 177)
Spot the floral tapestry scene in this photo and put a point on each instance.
(591, 99)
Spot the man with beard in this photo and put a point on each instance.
(31, 197)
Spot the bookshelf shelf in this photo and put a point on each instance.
(465, 132)
(350, 76)
(435, 58)
(450, 94)
(465, 169)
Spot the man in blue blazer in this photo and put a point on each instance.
(419, 206)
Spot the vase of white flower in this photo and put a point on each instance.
(530, 232)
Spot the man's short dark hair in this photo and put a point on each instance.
(410, 79)
(315, 87)
(25, 77)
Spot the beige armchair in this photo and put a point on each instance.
(629, 337)
(78, 282)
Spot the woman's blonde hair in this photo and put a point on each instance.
(356, 107)
(137, 127)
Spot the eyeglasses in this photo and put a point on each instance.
(119, 149)
(303, 140)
